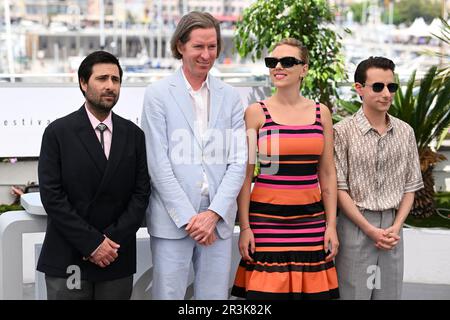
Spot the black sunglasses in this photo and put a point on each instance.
(379, 86)
(286, 62)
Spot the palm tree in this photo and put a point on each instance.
(444, 38)
(428, 113)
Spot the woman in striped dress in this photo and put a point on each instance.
(288, 221)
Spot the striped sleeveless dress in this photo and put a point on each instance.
(287, 218)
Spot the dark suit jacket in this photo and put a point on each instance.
(87, 196)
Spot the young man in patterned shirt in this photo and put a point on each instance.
(378, 172)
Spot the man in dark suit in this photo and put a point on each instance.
(95, 187)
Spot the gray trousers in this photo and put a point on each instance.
(120, 289)
(364, 271)
(171, 266)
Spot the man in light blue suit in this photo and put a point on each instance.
(197, 153)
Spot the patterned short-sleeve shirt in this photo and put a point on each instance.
(375, 169)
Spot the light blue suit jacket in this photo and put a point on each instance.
(176, 155)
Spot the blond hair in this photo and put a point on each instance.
(295, 43)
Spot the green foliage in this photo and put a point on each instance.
(428, 109)
(444, 36)
(444, 72)
(7, 207)
(357, 9)
(405, 11)
(257, 169)
(396, 18)
(442, 200)
(434, 221)
(265, 23)
(345, 109)
(409, 10)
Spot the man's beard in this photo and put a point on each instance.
(101, 106)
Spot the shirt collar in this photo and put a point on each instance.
(95, 122)
(364, 124)
(188, 85)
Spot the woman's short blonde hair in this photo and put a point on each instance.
(295, 43)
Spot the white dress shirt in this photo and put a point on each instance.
(200, 101)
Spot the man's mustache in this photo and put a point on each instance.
(109, 95)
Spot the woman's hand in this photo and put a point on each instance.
(246, 243)
(331, 242)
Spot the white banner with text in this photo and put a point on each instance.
(26, 110)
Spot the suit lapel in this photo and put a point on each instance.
(183, 101)
(90, 141)
(216, 97)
